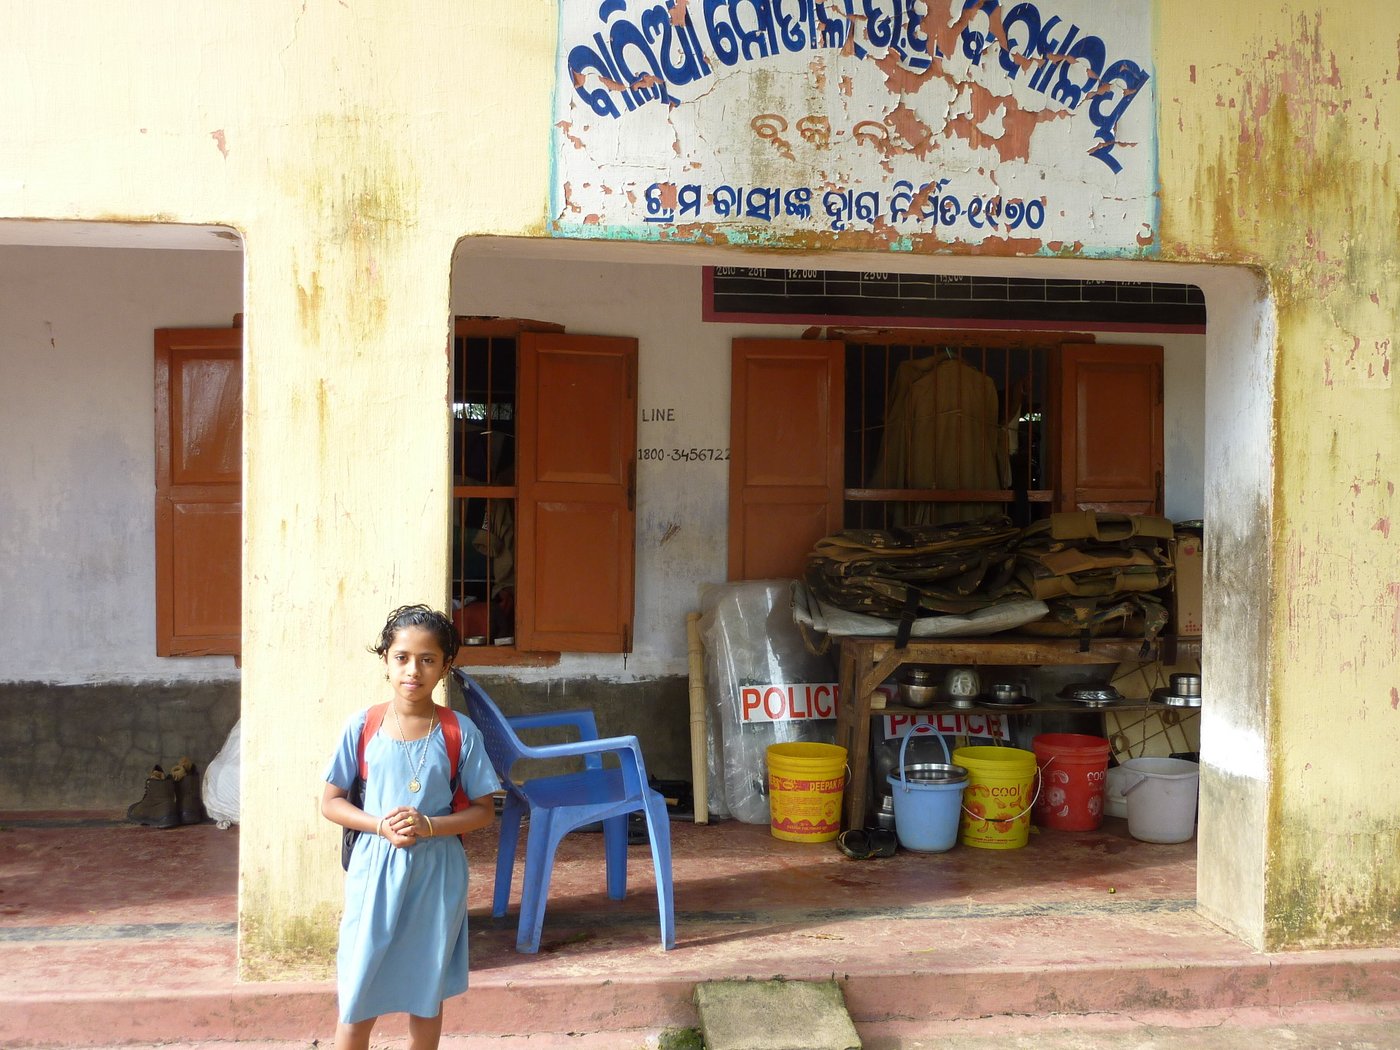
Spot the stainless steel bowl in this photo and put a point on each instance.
(885, 817)
(912, 695)
(930, 773)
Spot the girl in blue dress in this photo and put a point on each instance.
(403, 935)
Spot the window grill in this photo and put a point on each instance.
(941, 429)
(483, 494)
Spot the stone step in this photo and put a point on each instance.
(774, 1015)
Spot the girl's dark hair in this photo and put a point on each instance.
(435, 623)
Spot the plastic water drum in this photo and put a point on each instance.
(805, 785)
(927, 804)
(1072, 772)
(996, 808)
(1161, 795)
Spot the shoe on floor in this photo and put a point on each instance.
(189, 802)
(158, 807)
(864, 843)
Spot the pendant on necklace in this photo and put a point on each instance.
(413, 785)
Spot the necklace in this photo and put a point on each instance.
(413, 784)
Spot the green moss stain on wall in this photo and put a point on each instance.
(1293, 180)
(1314, 903)
(362, 192)
(310, 299)
(1279, 149)
(277, 945)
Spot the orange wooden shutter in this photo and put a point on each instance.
(199, 490)
(1110, 428)
(786, 430)
(576, 527)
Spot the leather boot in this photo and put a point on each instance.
(189, 801)
(158, 807)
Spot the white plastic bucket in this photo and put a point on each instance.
(1161, 795)
(1114, 804)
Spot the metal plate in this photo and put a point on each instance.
(1082, 702)
(1167, 698)
(1009, 705)
(1098, 696)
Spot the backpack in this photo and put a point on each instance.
(374, 717)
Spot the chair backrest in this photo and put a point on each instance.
(503, 747)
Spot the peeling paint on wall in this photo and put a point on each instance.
(945, 126)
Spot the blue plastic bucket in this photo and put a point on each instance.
(926, 809)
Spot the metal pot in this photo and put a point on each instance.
(1186, 684)
(918, 688)
(912, 695)
(962, 683)
(932, 773)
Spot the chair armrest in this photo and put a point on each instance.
(581, 719)
(627, 748)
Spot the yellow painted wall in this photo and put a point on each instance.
(353, 142)
(1279, 127)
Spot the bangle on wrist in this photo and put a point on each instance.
(379, 828)
(430, 824)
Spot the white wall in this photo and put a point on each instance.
(77, 478)
(76, 423)
(684, 368)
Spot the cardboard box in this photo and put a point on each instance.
(1188, 553)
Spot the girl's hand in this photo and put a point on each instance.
(400, 826)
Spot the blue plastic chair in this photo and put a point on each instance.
(559, 804)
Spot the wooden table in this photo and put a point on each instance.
(866, 662)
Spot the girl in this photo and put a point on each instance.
(403, 936)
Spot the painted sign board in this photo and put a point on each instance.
(801, 702)
(1006, 127)
(949, 724)
(817, 701)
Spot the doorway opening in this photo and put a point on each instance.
(1217, 389)
(80, 306)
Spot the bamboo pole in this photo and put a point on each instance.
(699, 745)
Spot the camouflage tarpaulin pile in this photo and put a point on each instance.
(1098, 572)
(918, 569)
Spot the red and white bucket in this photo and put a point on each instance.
(1073, 767)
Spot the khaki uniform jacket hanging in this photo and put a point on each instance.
(943, 431)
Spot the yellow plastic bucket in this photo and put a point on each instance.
(996, 809)
(805, 783)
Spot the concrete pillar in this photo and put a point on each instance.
(1277, 148)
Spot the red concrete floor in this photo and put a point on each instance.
(113, 933)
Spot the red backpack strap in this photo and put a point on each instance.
(374, 717)
(452, 738)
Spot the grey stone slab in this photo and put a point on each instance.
(774, 1015)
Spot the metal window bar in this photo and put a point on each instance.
(1018, 371)
(483, 411)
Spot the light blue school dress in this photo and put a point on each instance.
(403, 935)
